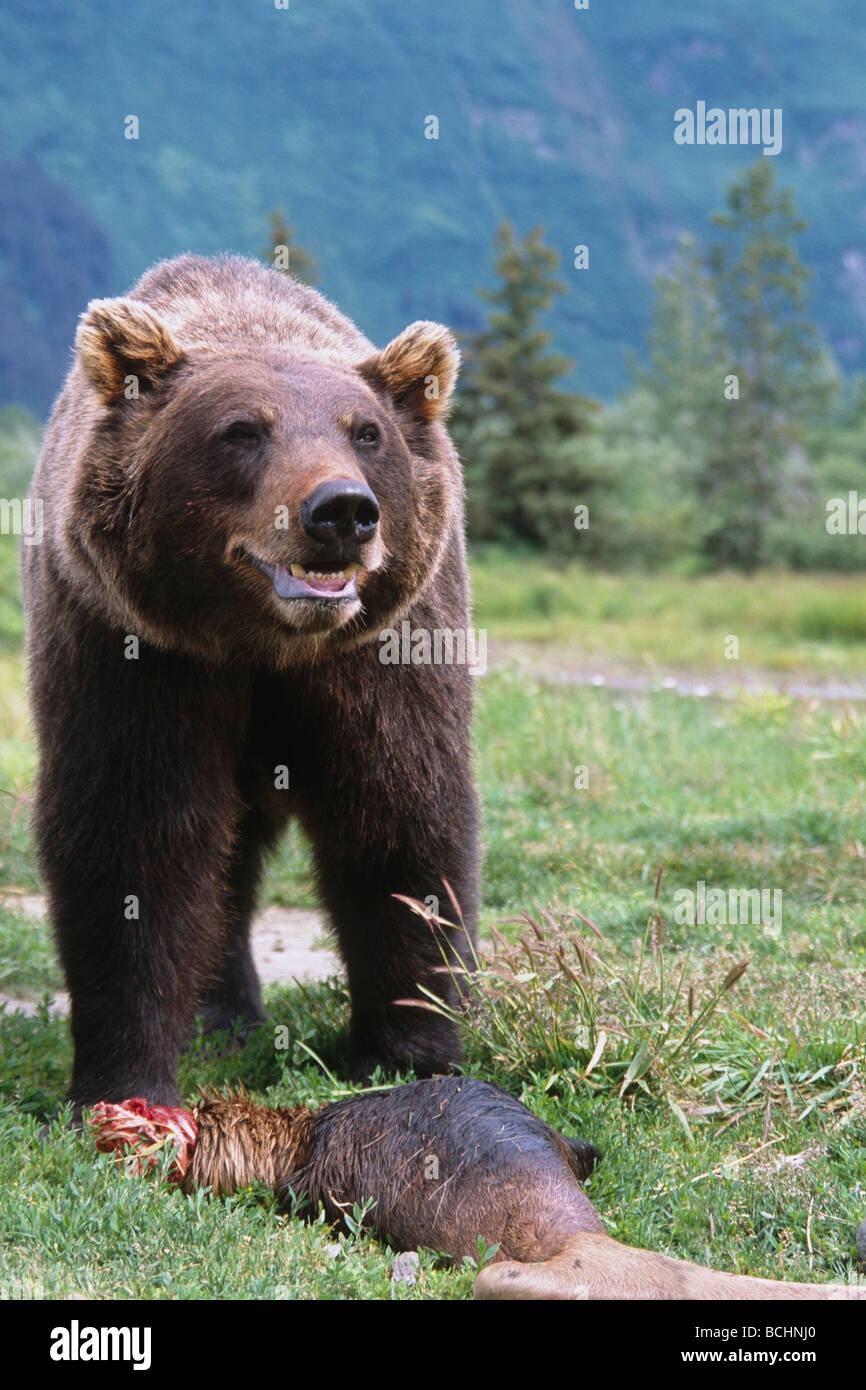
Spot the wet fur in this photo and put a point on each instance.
(389, 1145)
(500, 1173)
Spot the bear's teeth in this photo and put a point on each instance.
(347, 573)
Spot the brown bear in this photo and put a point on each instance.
(241, 495)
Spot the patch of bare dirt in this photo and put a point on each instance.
(288, 944)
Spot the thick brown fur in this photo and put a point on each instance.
(445, 1161)
(158, 794)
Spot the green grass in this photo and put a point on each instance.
(27, 962)
(764, 795)
(785, 623)
(760, 792)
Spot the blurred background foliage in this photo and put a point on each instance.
(593, 381)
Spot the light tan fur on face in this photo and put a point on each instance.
(118, 338)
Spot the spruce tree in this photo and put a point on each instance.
(683, 380)
(521, 435)
(283, 253)
(760, 285)
(687, 352)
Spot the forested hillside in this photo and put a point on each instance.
(547, 114)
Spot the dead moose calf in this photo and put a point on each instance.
(445, 1161)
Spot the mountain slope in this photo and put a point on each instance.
(546, 114)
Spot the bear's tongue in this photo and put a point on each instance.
(296, 582)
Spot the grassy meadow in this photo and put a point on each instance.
(729, 1104)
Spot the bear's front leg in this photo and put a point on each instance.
(389, 802)
(389, 952)
(234, 1000)
(134, 822)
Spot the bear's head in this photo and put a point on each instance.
(259, 500)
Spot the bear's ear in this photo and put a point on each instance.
(418, 369)
(121, 338)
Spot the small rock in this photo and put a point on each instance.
(333, 1252)
(405, 1268)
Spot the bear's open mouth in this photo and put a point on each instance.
(329, 580)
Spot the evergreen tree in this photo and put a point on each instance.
(687, 361)
(687, 351)
(285, 254)
(747, 471)
(522, 436)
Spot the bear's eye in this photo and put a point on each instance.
(367, 434)
(242, 432)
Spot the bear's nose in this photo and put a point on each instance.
(340, 508)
